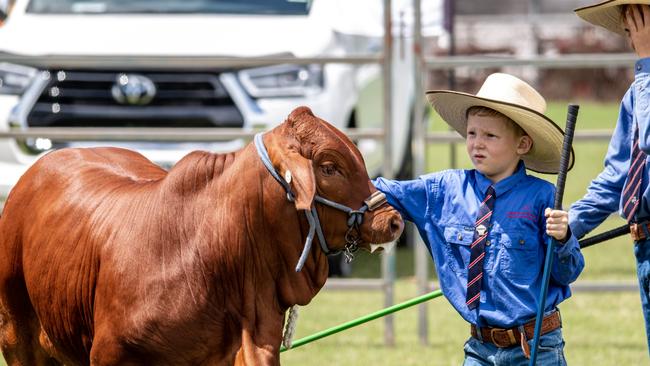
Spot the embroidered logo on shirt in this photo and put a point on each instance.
(523, 213)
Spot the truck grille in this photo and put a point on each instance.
(80, 98)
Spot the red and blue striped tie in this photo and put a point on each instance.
(632, 189)
(475, 268)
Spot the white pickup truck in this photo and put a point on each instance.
(142, 91)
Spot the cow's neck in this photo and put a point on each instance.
(279, 231)
(261, 232)
(292, 229)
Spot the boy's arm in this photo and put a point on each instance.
(568, 261)
(409, 197)
(604, 192)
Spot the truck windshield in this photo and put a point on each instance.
(275, 7)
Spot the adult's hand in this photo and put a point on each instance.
(637, 20)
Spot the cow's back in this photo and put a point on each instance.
(48, 216)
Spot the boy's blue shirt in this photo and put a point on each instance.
(604, 193)
(444, 205)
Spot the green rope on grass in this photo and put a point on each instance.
(364, 319)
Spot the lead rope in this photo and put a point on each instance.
(290, 327)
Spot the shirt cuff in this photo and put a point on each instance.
(565, 250)
(576, 227)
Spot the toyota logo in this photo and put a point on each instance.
(133, 89)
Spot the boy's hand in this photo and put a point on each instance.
(557, 223)
(637, 23)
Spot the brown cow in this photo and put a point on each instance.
(107, 259)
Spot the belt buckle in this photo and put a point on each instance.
(508, 332)
(636, 232)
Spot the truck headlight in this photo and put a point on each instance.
(283, 80)
(14, 79)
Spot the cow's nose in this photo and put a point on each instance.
(396, 226)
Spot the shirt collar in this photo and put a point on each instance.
(504, 185)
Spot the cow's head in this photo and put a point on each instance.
(316, 159)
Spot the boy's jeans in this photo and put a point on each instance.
(642, 253)
(549, 353)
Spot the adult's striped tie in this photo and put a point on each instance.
(632, 190)
(475, 268)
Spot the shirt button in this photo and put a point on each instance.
(460, 237)
(522, 241)
(487, 243)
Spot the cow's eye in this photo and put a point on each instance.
(328, 169)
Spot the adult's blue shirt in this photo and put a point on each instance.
(444, 206)
(604, 193)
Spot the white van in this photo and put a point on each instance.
(140, 90)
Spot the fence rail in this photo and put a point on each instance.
(223, 134)
(156, 134)
(578, 60)
(167, 62)
(452, 136)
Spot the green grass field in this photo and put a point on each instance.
(603, 328)
(599, 328)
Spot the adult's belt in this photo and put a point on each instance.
(640, 230)
(504, 338)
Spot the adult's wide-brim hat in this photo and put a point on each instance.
(607, 14)
(517, 100)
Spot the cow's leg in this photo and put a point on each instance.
(19, 327)
(251, 354)
(107, 350)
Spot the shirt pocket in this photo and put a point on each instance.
(519, 257)
(457, 247)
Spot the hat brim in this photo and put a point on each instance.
(607, 14)
(548, 137)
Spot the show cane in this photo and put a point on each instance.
(565, 158)
(608, 235)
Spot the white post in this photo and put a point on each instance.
(421, 256)
(388, 259)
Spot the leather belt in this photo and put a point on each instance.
(504, 338)
(640, 230)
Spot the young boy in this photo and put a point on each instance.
(486, 228)
(624, 184)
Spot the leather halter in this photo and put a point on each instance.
(355, 217)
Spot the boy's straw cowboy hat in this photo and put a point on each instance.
(517, 100)
(607, 14)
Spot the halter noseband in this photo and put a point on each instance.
(355, 217)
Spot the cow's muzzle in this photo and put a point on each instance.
(382, 228)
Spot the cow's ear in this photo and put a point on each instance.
(294, 168)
